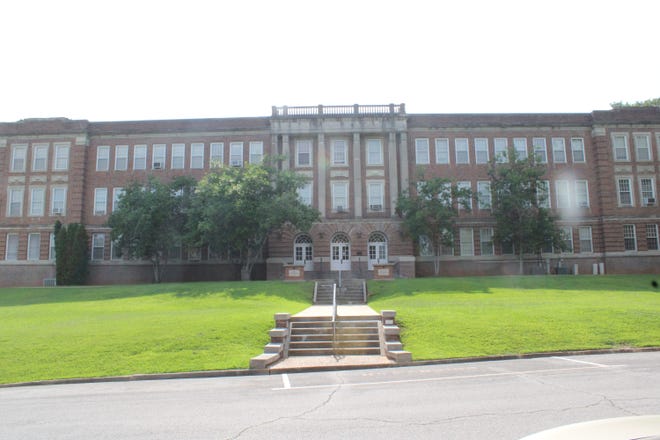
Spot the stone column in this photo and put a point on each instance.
(286, 152)
(403, 161)
(321, 173)
(393, 179)
(356, 187)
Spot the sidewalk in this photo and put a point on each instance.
(352, 311)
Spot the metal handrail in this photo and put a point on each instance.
(316, 288)
(334, 319)
(364, 291)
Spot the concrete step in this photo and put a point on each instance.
(330, 351)
(296, 345)
(339, 337)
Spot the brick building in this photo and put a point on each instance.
(602, 183)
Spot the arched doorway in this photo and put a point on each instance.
(340, 252)
(303, 251)
(377, 249)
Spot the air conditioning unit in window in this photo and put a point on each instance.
(99, 212)
(340, 208)
(584, 204)
(158, 165)
(649, 201)
(376, 207)
(57, 211)
(236, 163)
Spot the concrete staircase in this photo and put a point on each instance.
(354, 336)
(351, 292)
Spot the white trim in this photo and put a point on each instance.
(626, 147)
(583, 149)
(142, 148)
(464, 145)
(256, 152)
(422, 151)
(374, 142)
(197, 155)
(124, 155)
(344, 146)
(306, 144)
(649, 150)
(178, 157)
(540, 145)
(158, 156)
(35, 156)
(62, 153)
(442, 150)
(103, 158)
(18, 162)
(481, 146)
(618, 191)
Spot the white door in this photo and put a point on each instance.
(303, 252)
(377, 249)
(340, 253)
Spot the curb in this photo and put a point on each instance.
(263, 372)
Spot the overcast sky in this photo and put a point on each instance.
(133, 60)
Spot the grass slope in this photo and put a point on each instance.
(459, 317)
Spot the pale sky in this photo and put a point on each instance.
(138, 59)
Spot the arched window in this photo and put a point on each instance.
(377, 249)
(303, 251)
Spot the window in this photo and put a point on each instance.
(467, 242)
(375, 195)
(584, 234)
(40, 157)
(486, 241)
(561, 190)
(462, 150)
(34, 246)
(425, 246)
(374, 152)
(652, 237)
(620, 145)
(642, 147)
(140, 157)
(15, 202)
(102, 158)
(464, 201)
(304, 153)
(11, 253)
(647, 191)
(501, 147)
(577, 148)
(98, 246)
(116, 252)
(158, 156)
(558, 150)
(481, 150)
(197, 156)
(445, 195)
(507, 247)
(305, 193)
(567, 235)
(339, 152)
(58, 201)
(174, 252)
(37, 201)
(18, 154)
(100, 201)
(339, 196)
(442, 151)
(422, 151)
(121, 157)
(582, 193)
(629, 238)
(540, 150)
(61, 159)
(543, 194)
(51, 247)
(625, 192)
(520, 147)
(485, 197)
(178, 156)
(117, 193)
(256, 152)
(217, 154)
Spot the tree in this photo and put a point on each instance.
(430, 214)
(235, 209)
(653, 102)
(150, 218)
(71, 254)
(519, 196)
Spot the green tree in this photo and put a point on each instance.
(150, 218)
(429, 214)
(518, 198)
(71, 254)
(653, 102)
(235, 209)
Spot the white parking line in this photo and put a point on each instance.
(582, 362)
(286, 381)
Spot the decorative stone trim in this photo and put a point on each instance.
(391, 333)
(275, 349)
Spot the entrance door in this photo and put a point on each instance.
(377, 249)
(303, 252)
(340, 252)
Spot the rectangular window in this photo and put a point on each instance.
(467, 242)
(507, 247)
(140, 157)
(642, 147)
(520, 147)
(540, 150)
(629, 238)
(61, 159)
(425, 246)
(486, 241)
(582, 193)
(102, 158)
(121, 157)
(116, 252)
(11, 252)
(464, 201)
(558, 150)
(197, 156)
(501, 149)
(462, 150)
(304, 153)
(217, 158)
(647, 191)
(34, 246)
(625, 192)
(256, 152)
(339, 196)
(620, 145)
(652, 237)
(18, 155)
(485, 197)
(117, 193)
(98, 246)
(58, 201)
(40, 157)
(422, 151)
(15, 202)
(51, 247)
(543, 194)
(305, 193)
(442, 151)
(481, 150)
(561, 190)
(567, 235)
(375, 190)
(100, 201)
(158, 155)
(584, 233)
(374, 152)
(339, 152)
(37, 201)
(577, 149)
(178, 156)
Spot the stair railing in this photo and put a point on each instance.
(316, 289)
(364, 291)
(334, 319)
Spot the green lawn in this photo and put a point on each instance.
(460, 317)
